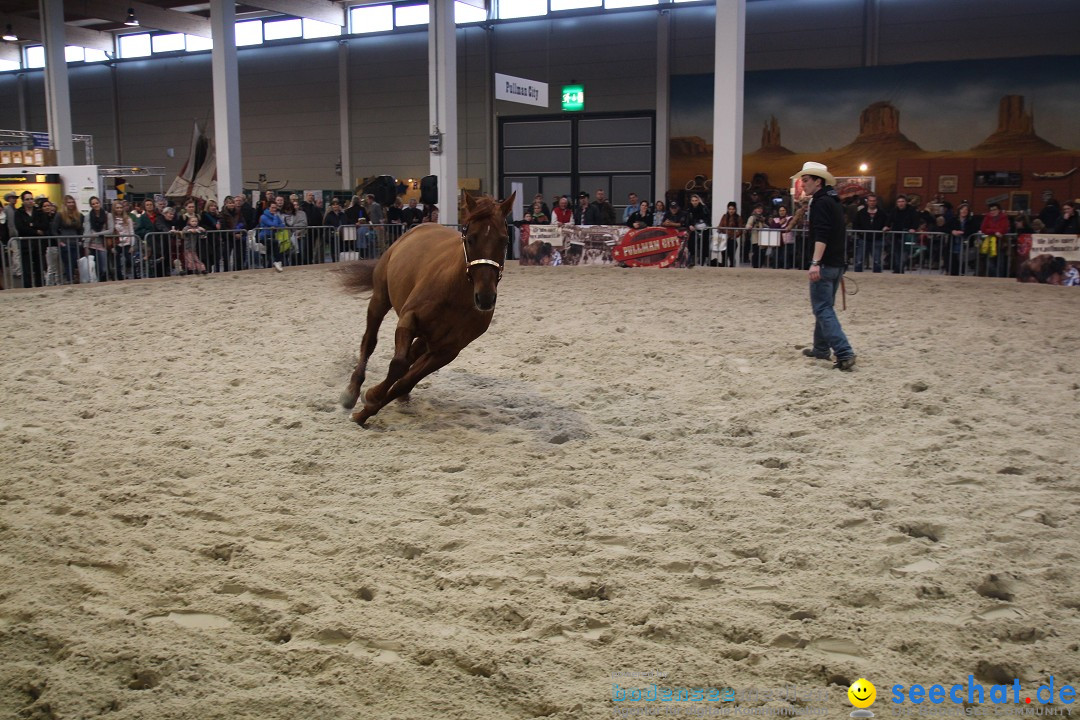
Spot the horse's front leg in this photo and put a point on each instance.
(377, 309)
(375, 398)
(426, 364)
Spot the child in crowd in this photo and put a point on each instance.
(192, 235)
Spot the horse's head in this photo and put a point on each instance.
(484, 239)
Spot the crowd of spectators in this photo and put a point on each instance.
(46, 245)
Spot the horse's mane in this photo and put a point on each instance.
(485, 209)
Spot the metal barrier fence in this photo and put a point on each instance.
(52, 260)
(865, 250)
(39, 261)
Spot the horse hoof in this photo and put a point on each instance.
(348, 399)
(405, 399)
(360, 417)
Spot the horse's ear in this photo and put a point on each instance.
(470, 204)
(507, 205)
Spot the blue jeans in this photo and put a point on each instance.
(827, 331)
(877, 244)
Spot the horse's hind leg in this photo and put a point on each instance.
(377, 309)
(375, 398)
(419, 347)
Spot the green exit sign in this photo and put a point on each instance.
(573, 97)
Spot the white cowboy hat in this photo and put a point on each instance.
(816, 168)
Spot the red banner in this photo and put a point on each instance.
(650, 247)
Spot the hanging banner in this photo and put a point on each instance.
(609, 245)
(521, 90)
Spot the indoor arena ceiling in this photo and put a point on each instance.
(90, 22)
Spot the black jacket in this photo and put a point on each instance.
(903, 220)
(864, 221)
(1068, 226)
(828, 226)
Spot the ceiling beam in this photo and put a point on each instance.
(150, 17)
(30, 29)
(323, 10)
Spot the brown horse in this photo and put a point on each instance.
(443, 285)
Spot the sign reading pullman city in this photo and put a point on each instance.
(649, 247)
(521, 90)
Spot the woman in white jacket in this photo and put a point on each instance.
(123, 236)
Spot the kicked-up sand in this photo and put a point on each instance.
(633, 477)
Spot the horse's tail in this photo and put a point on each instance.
(357, 276)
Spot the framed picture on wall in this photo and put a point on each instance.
(913, 182)
(1019, 201)
(947, 183)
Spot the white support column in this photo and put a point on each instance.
(57, 94)
(663, 104)
(230, 172)
(442, 104)
(728, 104)
(344, 118)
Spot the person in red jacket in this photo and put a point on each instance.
(994, 246)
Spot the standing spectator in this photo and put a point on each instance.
(605, 213)
(431, 213)
(786, 252)
(31, 249)
(143, 226)
(334, 219)
(247, 212)
(699, 220)
(296, 221)
(193, 236)
(70, 225)
(123, 238)
(544, 209)
(869, 224)
(959, 229)
(376, 215)
(632, 206)
(100, 237)
(7, 228)
(235, 243)
(675, 217)
(561, 214)
(729, 225)
(412, 215)
(994, 246)
(168, 242)
(354, 213)
(659, 211)
(395, 219)
(827, 228)
(1051, 213)
(583, 214)
(212, 244)
(901, 224)
(1069, 222)
(640, 218)
(536, 215)
(754, 223)
(269, 224)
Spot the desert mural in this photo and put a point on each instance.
(1000, 130)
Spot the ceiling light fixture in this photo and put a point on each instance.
(131, 21)
(9, 34)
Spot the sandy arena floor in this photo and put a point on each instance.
(632, 471)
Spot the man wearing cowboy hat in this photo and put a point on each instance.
(827, 232)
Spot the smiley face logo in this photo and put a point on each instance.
(862, 693)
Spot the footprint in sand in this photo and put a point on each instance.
(192, 620)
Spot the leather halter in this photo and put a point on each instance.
(481, 261)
